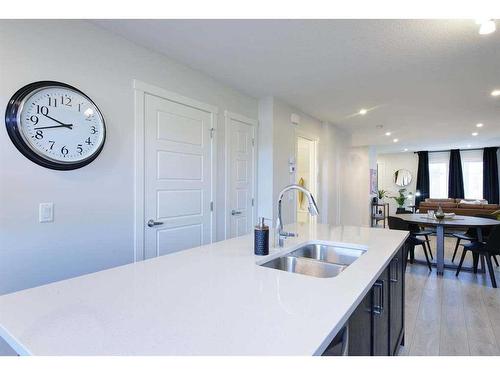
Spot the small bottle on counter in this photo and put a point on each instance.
(261, 238)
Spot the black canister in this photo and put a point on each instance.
(261, 238)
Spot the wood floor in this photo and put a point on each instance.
(450, 315)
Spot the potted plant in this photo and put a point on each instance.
(400, 199)
(382, 194)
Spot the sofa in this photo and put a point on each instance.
(458, 206)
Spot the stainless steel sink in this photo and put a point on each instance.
(305, 266)
(330, 254)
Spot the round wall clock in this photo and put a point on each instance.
(55, 125)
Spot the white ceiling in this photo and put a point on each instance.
(428, 81)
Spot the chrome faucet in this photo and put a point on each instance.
(313, 210)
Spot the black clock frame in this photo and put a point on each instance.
(11, 118)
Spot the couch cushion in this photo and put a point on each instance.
(470, 206)
(440, 200)
(492, 207)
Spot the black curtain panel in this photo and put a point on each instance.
(422, 177)
(455, 176)
(490, 175)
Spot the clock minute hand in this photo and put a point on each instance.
(59, 122)
(69, 126)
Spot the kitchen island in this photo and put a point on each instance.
(211, 300)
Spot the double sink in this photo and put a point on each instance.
(316, 259)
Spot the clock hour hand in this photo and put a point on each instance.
(69, 126)
(59, 122)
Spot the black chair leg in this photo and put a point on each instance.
(461, 262)
(475, 262)
(492, 272)
(427, 257)
(455, 251)
(429, 246)
(496, 260)
(411, 251)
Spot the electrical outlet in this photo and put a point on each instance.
(46, 212)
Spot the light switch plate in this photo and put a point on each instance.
(46, 212)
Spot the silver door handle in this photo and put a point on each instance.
(234, 212)
(152, 223)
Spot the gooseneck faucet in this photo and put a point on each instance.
(313, 210)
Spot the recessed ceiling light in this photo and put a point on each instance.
(388, 133)
(474, 134)
(469, 146)
(395, 140)
(405, 150)
(487, 27)
(495, 93)
(480, 125)
(363, 111)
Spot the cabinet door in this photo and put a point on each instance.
(396, 301)
(360, 327)
(380, 315)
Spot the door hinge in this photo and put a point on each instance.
(253, 141)
(212, 130)
(211, 206)
(253, 201)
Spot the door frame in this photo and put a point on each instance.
(303, 134)
(140, 90)
(228, 116)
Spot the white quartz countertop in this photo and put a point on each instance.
(210, 300)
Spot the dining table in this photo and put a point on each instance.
(450, 222)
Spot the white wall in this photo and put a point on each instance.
(390, 163)
(355, 198)
(93, 226)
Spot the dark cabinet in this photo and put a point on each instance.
(376, 327)
(360, 323)
(380, 315)
(396, 301)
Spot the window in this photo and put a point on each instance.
(438, 174)
(472, 169)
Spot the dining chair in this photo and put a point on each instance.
(487, 249)
(399, 224)
(471, 235)
(418, 231)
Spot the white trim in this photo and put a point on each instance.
(252, 122)
(140, 90)
(173, 97)
(299, 133)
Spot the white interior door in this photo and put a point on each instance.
(240, 215)
(178, 176)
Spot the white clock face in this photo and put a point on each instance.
(61, 125)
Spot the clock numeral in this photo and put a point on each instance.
(42, 109)
(34, 119)
(66, 101)
(52, 102)
(79, 149)
(79, 107)
(64, 150)
(39, 134)
(52, 143)
(87, 141)
(93, 129)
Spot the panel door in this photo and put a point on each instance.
(178, 176)
(241, 137)
(360, 328)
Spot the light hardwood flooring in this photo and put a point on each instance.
(450, 315)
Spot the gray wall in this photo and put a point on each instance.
(94, 206)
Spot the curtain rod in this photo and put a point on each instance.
(460, 149)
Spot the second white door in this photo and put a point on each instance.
(240, 136)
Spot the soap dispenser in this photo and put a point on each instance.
(261, 238)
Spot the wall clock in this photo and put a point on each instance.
(55, 125)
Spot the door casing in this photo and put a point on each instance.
(228, 116)
(140, 90)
